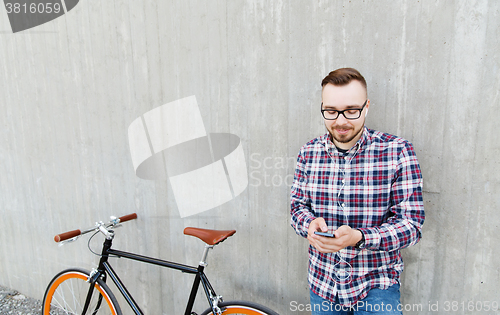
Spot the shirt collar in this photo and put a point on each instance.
(330, 147)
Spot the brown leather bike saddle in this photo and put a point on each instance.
(211, 237)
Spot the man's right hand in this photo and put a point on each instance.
(317, 224)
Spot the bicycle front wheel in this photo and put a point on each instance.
(243, 308)
(67, 293)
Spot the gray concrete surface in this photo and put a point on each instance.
(13, 302)
(70, 88)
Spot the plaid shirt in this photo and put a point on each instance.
(376, 187)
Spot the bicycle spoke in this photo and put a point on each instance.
(63, 304)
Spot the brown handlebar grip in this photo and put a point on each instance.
(128, 217)
(67, 235)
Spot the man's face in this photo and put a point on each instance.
(345, 132)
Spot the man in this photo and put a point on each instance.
(365, 187)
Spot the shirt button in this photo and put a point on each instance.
(343, 181)
(345, 157)
(343, 205)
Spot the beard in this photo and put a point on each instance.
(347, 137)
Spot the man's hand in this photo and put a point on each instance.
(344, 236)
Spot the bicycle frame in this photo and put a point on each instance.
(106, 269)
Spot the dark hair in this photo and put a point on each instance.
(343, 76)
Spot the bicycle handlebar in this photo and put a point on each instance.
(70, 234)
(67, 235)
(128, 217)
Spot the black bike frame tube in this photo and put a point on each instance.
(89, 297)
(123, 289)
(194, 290)
(105, 267)
(153, 261)
(104, 257)
(205, 281)
(209, 290)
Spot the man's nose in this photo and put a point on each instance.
(341, 119)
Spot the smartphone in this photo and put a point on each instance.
(324, 234)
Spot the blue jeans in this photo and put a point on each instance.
(376, 302)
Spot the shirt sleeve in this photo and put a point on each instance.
(300, 199)
(406, 215)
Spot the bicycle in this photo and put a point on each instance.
(78, 291)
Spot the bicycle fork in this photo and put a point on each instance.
(95, 275)
(99, 273)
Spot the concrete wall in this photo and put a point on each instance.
(70, 88)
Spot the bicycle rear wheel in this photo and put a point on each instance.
(243, 308)
(67, 292)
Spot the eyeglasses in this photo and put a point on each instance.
(351, 113)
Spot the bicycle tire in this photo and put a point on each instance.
(243, 308)
(67, 292)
